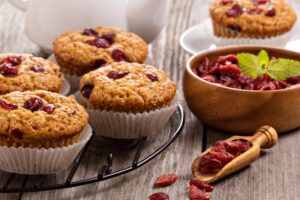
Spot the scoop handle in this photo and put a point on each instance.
(266, 137)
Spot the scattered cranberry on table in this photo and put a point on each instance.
(198, 194)
(166, 180)
(159, 196)
(221, 153)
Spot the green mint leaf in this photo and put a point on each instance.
(263, 59)
(281, 69)
(249, 64)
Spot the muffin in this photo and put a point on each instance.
(39, 119)
(21, 72)
(257, 19)
(81, 51)
(127, 87)
(128, 100)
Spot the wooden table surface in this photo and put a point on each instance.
(274, 176)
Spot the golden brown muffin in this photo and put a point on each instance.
(251, 18)
(40, 119)
(81, 51)
(127, 87)
(21, 72)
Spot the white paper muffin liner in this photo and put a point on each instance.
(123, 125)
(22, 160)
(65, 89)
(277, 41)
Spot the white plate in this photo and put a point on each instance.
(200, 37)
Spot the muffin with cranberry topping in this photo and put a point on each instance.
(81, 51)
(133, 99)
(21, 72)
(257, 19)
(40, 119)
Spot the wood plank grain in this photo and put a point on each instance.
(138, 184)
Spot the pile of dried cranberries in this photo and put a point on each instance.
(197, 189)
(225, 71)
(221, 153)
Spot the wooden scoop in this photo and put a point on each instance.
(265, 137)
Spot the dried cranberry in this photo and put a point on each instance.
(117, 74)
(294, 80)
(225, 2)
(201, 185)
(210, 78)
(159, 196)
(99, 63)
(7, 106)
(235, 28)
(38, 69)
(119, 55)
(9, 70)
(204, 66)
(86, 90)
(245, 79)
(99, 43)
(260, 2)
(166, 180)
(231, 70)
(33, 104)
(237, 147)
(270, 12)
(235, 11)
(266, 86)
(197, 194)
(152, 77)
(254, 11)
(110, 37)
(281, 84)
(90, 32)
(224, 59)
(49, 108)
(251, 86)
(14, 60)
(17, 134)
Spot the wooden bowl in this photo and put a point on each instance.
(236, 110)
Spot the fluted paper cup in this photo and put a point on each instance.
(27, 160)
(65, 89)
(123, 125)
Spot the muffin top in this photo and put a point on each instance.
(81, 51)
(40, 115)
(270, 17)
(127, 87)
(20, 72)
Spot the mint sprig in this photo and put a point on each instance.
(278, 69)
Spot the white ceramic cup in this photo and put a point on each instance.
(46, 19)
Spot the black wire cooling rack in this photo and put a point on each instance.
(105, 172)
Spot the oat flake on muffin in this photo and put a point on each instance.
(40, 119)
(127, 87)
(21, 72)
(81, 51)
(251, 18)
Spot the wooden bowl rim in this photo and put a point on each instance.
(242, 48)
